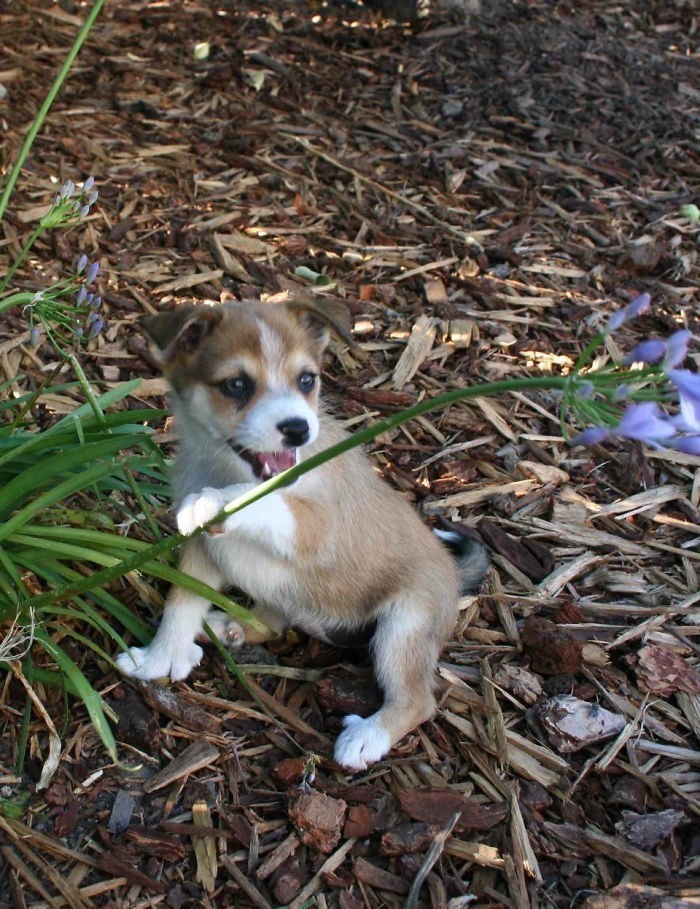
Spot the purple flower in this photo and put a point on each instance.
(84, 211)
(687, 444)
(622, 392)
(35, 336)
(92, 272)
(644, 423)
(81, 264)
(639, 305)
(676, 348)
(67, 190)
(649, 352)
(81, 295)
(688, 385)
(591, 436)
(88, 184)
(95, 327)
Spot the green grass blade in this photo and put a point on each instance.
(62, 490)
(83, 689)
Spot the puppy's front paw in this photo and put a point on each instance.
(155, 662)
(199, 508)
(362, 742)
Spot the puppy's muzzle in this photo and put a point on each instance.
(295, 432)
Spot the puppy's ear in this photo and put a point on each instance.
(180, 331)
(319, 316)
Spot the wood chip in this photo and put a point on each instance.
(193, 758)
(419, 345)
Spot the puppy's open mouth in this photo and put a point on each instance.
(267, 464)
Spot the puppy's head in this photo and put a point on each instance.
(247, 374)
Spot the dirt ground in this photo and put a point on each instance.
(514, 174)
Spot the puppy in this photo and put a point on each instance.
(336, 553)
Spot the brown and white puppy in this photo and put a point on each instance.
(335, 553)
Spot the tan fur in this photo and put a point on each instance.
(356, 551)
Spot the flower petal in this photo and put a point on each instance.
(631, 311)
(650, 351)
(644, 423)
(591, 436)
(688, 385)
(677, 348)
(687, 444)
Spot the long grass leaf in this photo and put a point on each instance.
(59, 574)
(62, 490)
(82, 688)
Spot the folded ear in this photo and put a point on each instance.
(182, 330)
(319, 316)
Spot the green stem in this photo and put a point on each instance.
(20, 299)
(138, 560)
(46, 106)
(88, 392)
(21, 257)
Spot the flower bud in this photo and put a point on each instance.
(92, 272)
(81, 264)
(648, 352)
(591, 436)
(95, 328)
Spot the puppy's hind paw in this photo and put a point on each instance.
(362, 742)
(228, 631)
(154, 662)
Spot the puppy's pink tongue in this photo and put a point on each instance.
(269, 463)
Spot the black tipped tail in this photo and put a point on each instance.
(471, 556)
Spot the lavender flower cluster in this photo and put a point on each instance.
(71, 204)
(653, 375)
(69, 310)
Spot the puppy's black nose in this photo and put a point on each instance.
(295, 431)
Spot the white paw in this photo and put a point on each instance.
(154, 662)
(199, 508)
(362, 742)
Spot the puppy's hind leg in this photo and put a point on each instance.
(405, 649)
(173, 651)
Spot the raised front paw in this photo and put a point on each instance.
(362, 742)
(155, 662)
(198, 509)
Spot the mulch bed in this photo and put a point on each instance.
(481, 189)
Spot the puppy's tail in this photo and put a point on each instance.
(471, 557)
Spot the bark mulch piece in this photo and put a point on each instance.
(481, 188)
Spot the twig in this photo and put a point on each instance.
(331, 863)
(431, 856)
(251, 891)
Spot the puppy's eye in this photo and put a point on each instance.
(306, 382)
(238, 387)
